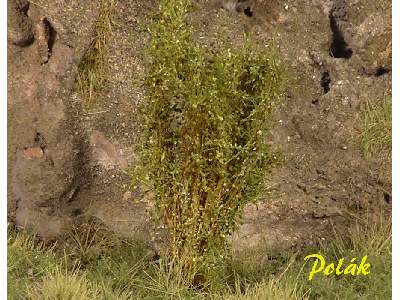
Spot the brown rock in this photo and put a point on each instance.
(127, 196)
(19, 26)
(43, 37)
(105, 152)
(33, 153)
(42, 112)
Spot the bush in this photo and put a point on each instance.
(203, 150)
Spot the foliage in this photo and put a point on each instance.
(203, 151)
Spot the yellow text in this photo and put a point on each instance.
(352, 269)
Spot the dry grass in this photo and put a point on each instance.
(93, 73)
(376, 128)
(121, 270)
(63, 285)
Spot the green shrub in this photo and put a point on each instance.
(203, 150)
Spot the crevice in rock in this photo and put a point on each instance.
(381, 71)
(248, 12)
(82, 176)
(245, 7)
(69, 194)
(77, 212)
(23, 6)
(326, 81)
(40, 141)
(52, 34)
(46, 38)
(339, 48)
(387, 198)
(239, 6)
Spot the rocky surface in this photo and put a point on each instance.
(66, 161)
(46, 145)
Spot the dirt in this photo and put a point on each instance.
(336, 60)
(41, 113)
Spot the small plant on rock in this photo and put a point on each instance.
(93, 70)
(203, 151)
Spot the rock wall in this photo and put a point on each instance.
(65, 161)
(46, 144)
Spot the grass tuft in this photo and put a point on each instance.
(27, 262)
(373, 238)
(63, 285)
(376, 128)
(168, 280)
(122, 270)
(271, 290)
(92, 70)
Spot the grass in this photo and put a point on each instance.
(372, 238)
(112, 267)
(63, 285)
(28, 261)
(92, 71)
(271, 289)
(376, 128)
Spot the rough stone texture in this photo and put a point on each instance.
(40, 110)
(65, 161)
(111, 123)
(325, 180)
(19, 25)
